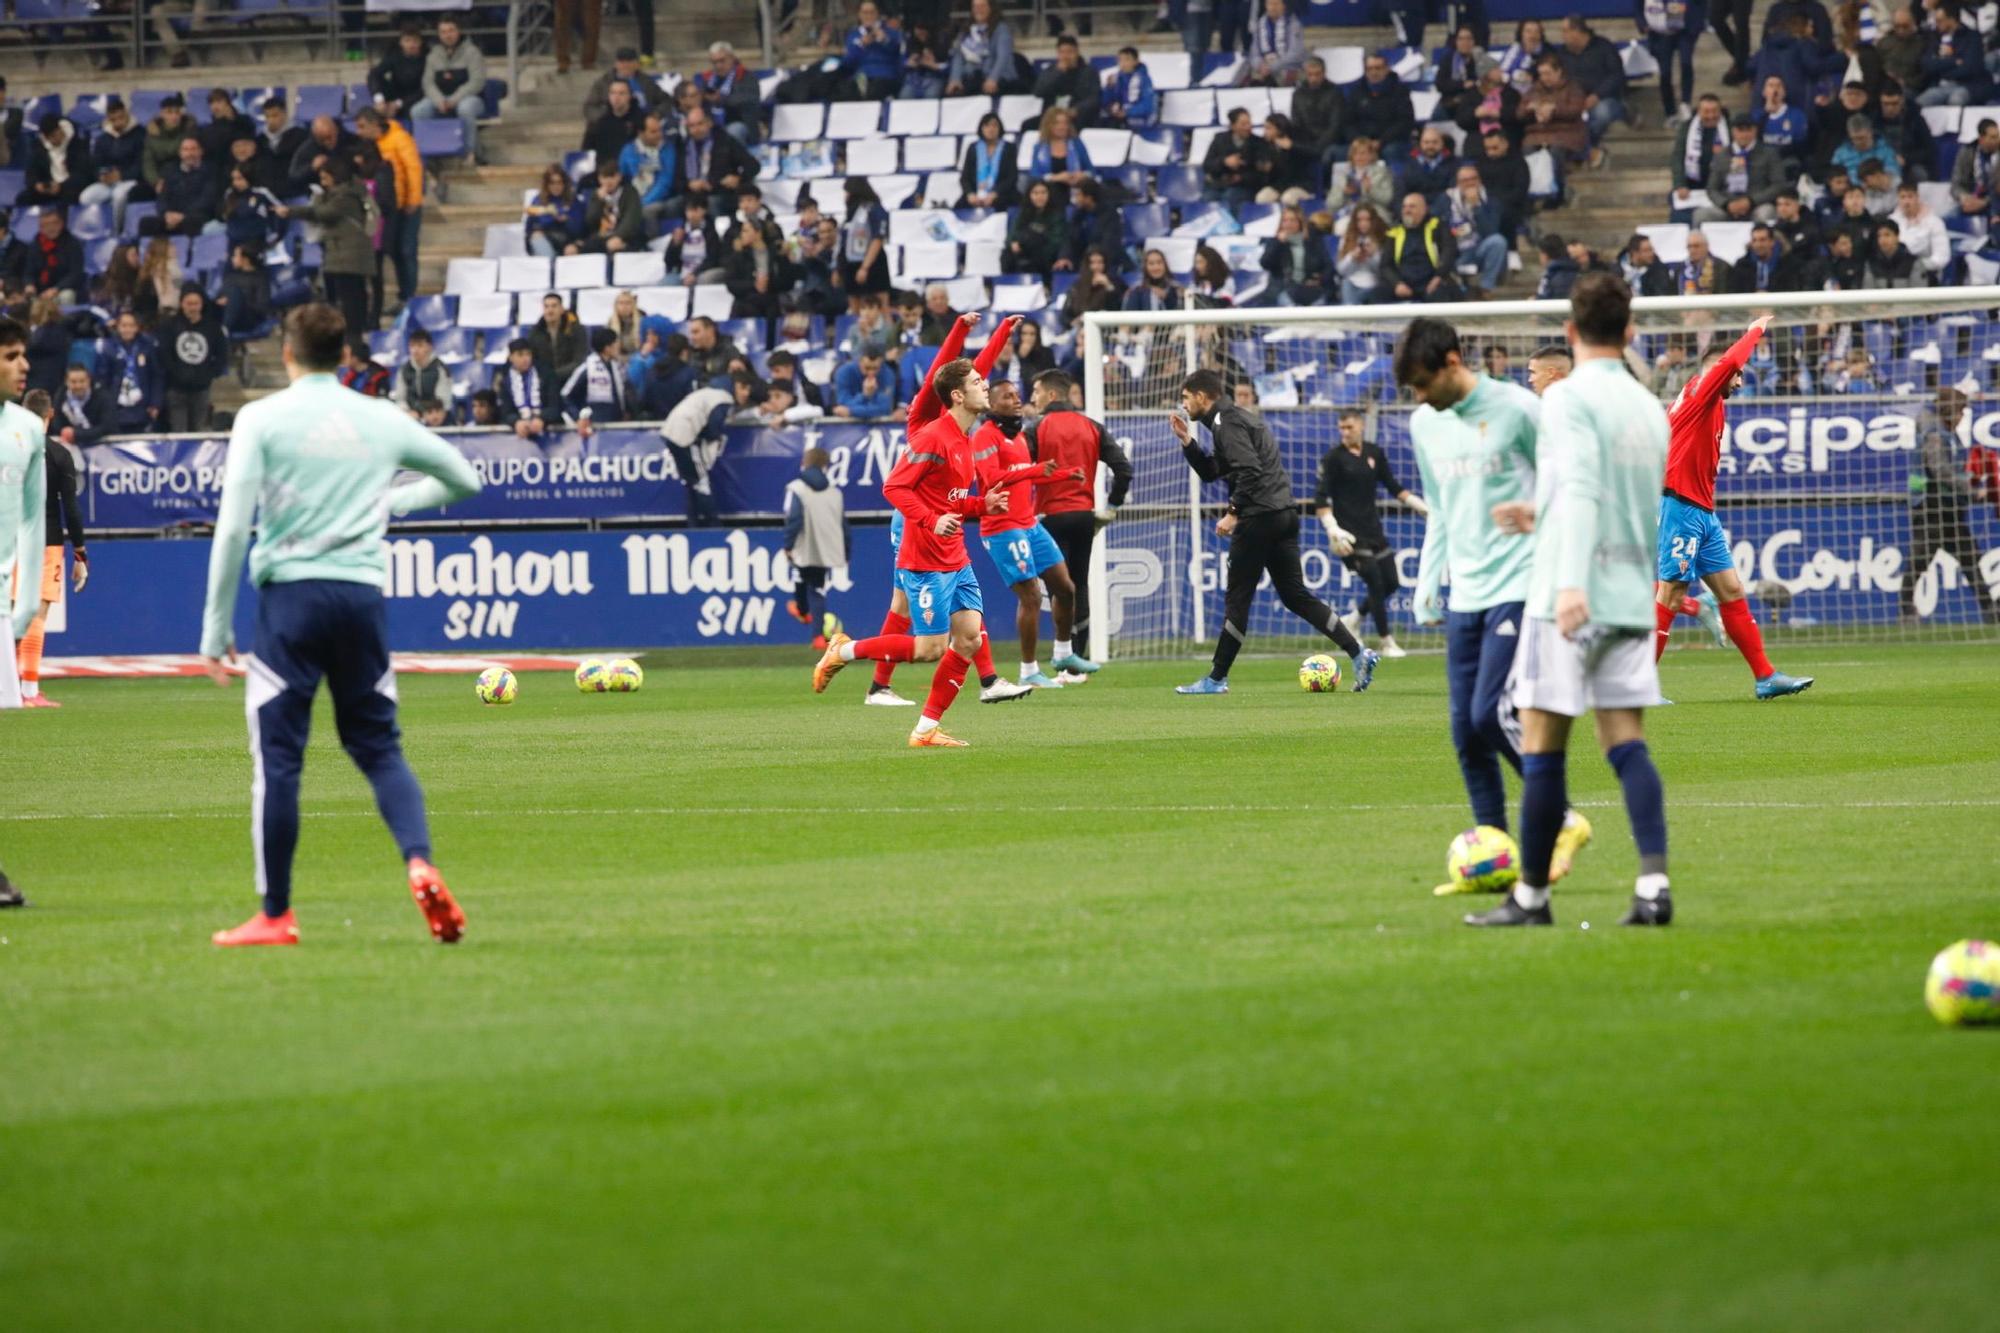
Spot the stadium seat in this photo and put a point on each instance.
(431, 313)
(388, 346)
(1200, 139)
(455, 344)
(1019, 294)
(485, 312)
(144, 104)
(983, 258)
(1969, 118)
(97, 254)
(530, 273)
(929, 260)
(1135, 180)
(942, 189)
(1220, 69)
(210, 252)
(1172, 69)
(1019, 110)
(916, 364)
(1179, 250)
(593, 305)
(467, 378)
(874, 157)
(26, 224)
(1178, 185)
(938, 154)
(796, 122)
(1728, 241)
(135, 213)
(441, 136)
(573, 271)
(912, 117)
(895, 190)
(91, 222)
(1145, 220)
(250, 101)
(1260, 220)
(667, 302)
(712, 300)
(1188, 108)
(319, 99)
(853, 120)
(961, 115)
(471, 277)
(1107, 148)
(642, 268)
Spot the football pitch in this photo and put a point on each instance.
(1137, 1015)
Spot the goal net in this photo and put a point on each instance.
(1859, 485)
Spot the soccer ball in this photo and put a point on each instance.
(1319, 674)
(1964, 984)
(1483, 860)
(624, 676)
(496, 685)
(593, 675)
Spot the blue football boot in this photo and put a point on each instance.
(1206, 685)
(1364, 669)
(1777, 685)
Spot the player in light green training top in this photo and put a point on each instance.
(1586, 643)
(23, 501)
(317, 463)
(1474, 438)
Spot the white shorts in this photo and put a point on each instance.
(1602, 668)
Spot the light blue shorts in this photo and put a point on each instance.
(1692, 542)
(937, 595)
(895, 547)
(1023, 553)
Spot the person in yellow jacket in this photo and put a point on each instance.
(405, 223)
(1422, 260)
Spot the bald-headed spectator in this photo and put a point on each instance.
(713, 165)
(325, 142)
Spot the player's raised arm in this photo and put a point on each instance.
(448, 476)
(242, 479)
(1711, 382)
(924, 408)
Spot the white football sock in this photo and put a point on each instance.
(1029, 669)
(1060, 650)
(1650, 887)
(1531, 897)
(926, 725)
(30, 688)
(847, 651)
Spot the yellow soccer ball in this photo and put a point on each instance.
(496, 685)
(1964, 984)
(593, 675)
(625, 676)
(1319, 674)
(1483, 860)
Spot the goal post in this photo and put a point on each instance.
(1857, 507)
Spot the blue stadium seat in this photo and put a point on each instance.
(97, 255)
(1201, 212)
(86, 113)
(440, 137)
(1144, 220)
(34, 108)
(434, 313)
(916, 364)
(319, 99)
(13, 180)
(289, 287)
(26, 224)
(209, 252)
(144, 104)
(197, 104)
(1179, 185)
(456, 343)
(388, 346)
(490, 93)
(1134, 179)
(92, 222)
(747, 334)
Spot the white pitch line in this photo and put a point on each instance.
(635, 811)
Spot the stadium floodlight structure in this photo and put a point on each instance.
(1856, 510)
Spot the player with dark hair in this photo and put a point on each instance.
(64, 515)
(1345, 503)
(23, 494)
(1584, 641)
(316, 466)
(1020, 547)
(1262, 526)
(1692, 543)
(932, 487)
(1076, 444)
(1548, 364)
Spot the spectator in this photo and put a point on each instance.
(422, 376)
(51, 265)
(1696, 147)
(589, 14)
(1784, 13)
(863, 389)
(1476, 231)
(1301, 273)
(1829, 124)
(58, 165)
(397, 82)
(1519, 61)
(1701, 274)
(1039, 237)
(666, 378)
(1071, 84)
(196, 355)
(730, 93)
(1432, 169)
(1238, 164)
(1277, 48)
(1060, 158)
(694, 433)
(982, 60)
(280, 139)
(625, 69)
(1359, 263)
(1670, 30)
(1096, 288)
(187, 194)
(757, 272)
(784, 374)
(1504, 173)
(1459, 71)
(433, 414)
(1129, 100)
(619, 125)
(1889, 263)
(454, 83)
(1594, 65)
(159, 280)
(403, 224)
(1794, 227)
(1365, 180)
(614, 222)
(485, 407)
(1156, 288)
(1421, 260)
(249, 215)
(558, 339)
(524, 396)
(1026, 356)
(1294, 169)
(694, 251)
(816, 541)
(118, 159)
(1974, 170)
(938, 316)
(348, 256)
(325, 141)
(1847, 271)
(713, 165)
(118, 286)
(594, 394)
(819, 290)
(1559, 269)
(1953, 70)
(554, 217)
(1901, 48)
(1554, 114)
(83, 412)
(1746, 177)
(163, 140)
(224, 127)
(1878, 186)
(132, 372)
(1856, 51)
(626, 322)
(1639, 264)
(1789, 53)
(1378, 107)
(989, 177)
(1319, 113)
(49, 342)
(926, 58)
(709, 351)
(687, 101)
(1211, 282)
(874, 331)
(873, 62)
(864, 269)
(1902, 129)
(1782, 126)
(1094, 225)
(1860, 148)
(1764, 267)
(1857, 220)
(259, 168)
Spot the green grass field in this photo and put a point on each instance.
(1137, 1015)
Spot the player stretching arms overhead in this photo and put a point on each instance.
(1262, 526)
(1692, 542)
(932, 488)
(317, 464)
(1475, 443)
(1022, 550)
(1583, 640)
(924, 409)
(23, 494)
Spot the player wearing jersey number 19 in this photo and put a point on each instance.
(23, 497)
(1585, 643)
(1020, 547)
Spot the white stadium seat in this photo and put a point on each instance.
(593, 305)
(873, 157)
(925, 260)
(470, 277)
(667, 302)
(581, 271)
(642, 268)
(853, 120)
(1107, 148)
(528, 273)
(485, 310)
(967, 293)
(794, 121)
(912, 117)
(935, 154)
(895, 190)
(711, 299)
(1188, 108)
(943, 189)
(961, 115)
(1170, 69)
(982, 258)
(1018, 109)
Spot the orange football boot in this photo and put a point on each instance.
(920, 740)
(440, 909)
(260, 929)
(829, 663)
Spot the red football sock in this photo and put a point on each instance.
(1663, 624)
(982, 661)
(892, 624)
(1743, 632)
(944, 685)
(886, 648)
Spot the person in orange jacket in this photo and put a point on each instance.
(405, 225)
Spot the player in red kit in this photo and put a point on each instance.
(924, 409)
(1692, 542)
(1021, 548)
(932, 488)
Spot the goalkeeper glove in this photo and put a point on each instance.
(1341, 539)
(1418, 503)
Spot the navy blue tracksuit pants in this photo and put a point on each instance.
(1478, 654)
(322, 629)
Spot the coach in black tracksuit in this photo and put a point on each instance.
(1262, 526)
(1069, 508)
